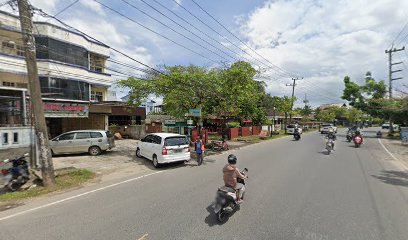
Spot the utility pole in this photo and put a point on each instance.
(390, 71)
(293, 95)
(390, 79)
(36, 104)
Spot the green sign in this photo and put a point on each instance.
(195, 112)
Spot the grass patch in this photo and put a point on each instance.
(69, 179)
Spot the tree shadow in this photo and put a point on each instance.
(398, 178)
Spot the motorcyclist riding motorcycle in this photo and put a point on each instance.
(296, 133)
(331, 135)
(231, 173)
(357, 138)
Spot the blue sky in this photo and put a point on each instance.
(321, 40)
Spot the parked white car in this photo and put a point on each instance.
(91, 141)
(290, 129)
(386, 125)
(164, 148)
(324, 128)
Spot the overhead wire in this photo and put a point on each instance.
(225, 38)
(242, 42)
(98, 41)
(174, 30)
(155, 32)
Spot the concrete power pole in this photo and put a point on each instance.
(40, 128)
(293, 95)
(390, 71)
(390, 79)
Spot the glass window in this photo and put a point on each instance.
(48, 48)
(156, 140)
(5, 138)
(15, 137)
(82, 135)
(175, 141)
(67, 136)
(109, 134)
(64, 88)
(96, 135)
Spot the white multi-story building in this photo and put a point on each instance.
(72, 75)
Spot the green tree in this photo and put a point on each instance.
(326, 115)
(354, 115)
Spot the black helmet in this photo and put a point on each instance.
(232, 159)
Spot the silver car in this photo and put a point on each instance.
(91, 141)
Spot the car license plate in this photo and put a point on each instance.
(177, 150)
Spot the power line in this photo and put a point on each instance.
(274, 66)
(153, 31)
(96, 40)
(65, 8)
(229, 41)
(178, 24)
(172, 29)
(403, 28)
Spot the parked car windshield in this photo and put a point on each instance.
(291, 126)
(175, 141)
(326, 125)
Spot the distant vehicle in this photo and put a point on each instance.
(164, 148)
(324, 128)
(80, 141)
(386, 125)
(290, 129)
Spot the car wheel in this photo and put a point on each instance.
(155, 162)
(94, 150)
(138, 153)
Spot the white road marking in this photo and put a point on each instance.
(401, 163)
(143, 237)
(79, 195)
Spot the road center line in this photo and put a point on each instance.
(79, 195)
(392, 155)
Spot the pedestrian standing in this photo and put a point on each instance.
(199, 149)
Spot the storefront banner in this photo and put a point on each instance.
(73, 110)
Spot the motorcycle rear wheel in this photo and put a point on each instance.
(222, 216)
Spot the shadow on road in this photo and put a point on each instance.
(399, 178)
(211, 219)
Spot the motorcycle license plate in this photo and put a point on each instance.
(216, 208)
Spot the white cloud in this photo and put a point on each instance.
(49, 6)
(94, 6)
(325, 40)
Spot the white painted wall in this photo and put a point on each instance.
(17, 65)
(55, 32)
(25, 134)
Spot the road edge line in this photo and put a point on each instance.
(78, 195)
(392, 155)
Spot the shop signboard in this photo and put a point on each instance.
(65, 110)
(170, 121)
(195, 112)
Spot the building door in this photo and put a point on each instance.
(54, 126)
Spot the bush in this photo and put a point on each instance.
(234, 125)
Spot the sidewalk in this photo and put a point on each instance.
(399, 150)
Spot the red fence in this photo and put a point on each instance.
(244, 131)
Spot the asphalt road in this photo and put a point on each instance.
(295, 191)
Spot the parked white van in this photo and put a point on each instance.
(164, 148)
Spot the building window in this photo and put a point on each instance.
(96, 96)
(8, 84)
(20, 50)
(96, 63)
(49, 48)
(8, 44)
(5, 138)
(59, 88)
(15, 137)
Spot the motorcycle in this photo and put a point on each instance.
(296, 136)
(379, 134)
(358, 140)
(349, 135)
(329, 145)
(17, 175)
(226, 201)
(221, 145)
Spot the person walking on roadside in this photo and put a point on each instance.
(199, 149)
